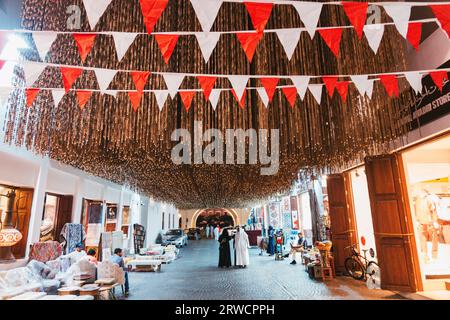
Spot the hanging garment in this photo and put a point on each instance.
(241, 248)
(71, 235)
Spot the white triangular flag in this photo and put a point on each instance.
(4, 95)
(400, 14)
(301, 84)
(361, 83)
(263, 95)
(206, 11)
(43, 42)
(316, 91)
(374, 34)
(309, 13)
(415, 80)
(369, 90)
(95, 10)
(173, 82)
(239, 83)
(289, 39)
(112, 93)
(57, 96)
(104, 77)
(207, 41)
(123, 41)
(161, 98)
(214, 98)
(32, 72)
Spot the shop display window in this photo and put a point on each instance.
(48, 223)
(427, 173)
(111, 217)
(363, 215)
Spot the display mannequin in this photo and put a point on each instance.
(426, 206)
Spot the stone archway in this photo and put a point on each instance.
(231, 212)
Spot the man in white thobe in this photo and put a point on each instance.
(207, 229)
(241, 245)
(216, 233)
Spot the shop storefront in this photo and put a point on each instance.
(57, 212)
(427, 172)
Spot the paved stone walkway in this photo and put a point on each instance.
(195, 276)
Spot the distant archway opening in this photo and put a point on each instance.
(221, 217)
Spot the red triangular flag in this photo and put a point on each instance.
(342, 89)
(414, 34)
(84, 42)
(186, 97)
(31, 95)
(259, 13)
(140, 79)
(291, 95)
(70, 75)
(242, 101)
(2, 63)
(135, 98)
(83, 97)
(357, 14)
(166, 43)
(438, 78)
(152, 11)
(330, 84)
(249, 42)
(270, 85)
(332, 38)
(390, 83)
(207, 84)
(442, 13)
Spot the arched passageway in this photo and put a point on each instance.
(215, 216)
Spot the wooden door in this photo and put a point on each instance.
(343, 230)
(21, 219)
(64, 214)
(394, 237)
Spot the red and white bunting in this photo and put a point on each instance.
(206, 12)
(135, 98)
(390, 83)
(301, 84)
(43, 42)
(357, 14)
(140, 79)
(270, 85)
(123, 41)
(31, 95)
(309, 13)
(415, 80)
(57, 96)
(259, 14)
(249, 42)
(152, 11)
(374, 34)
(84, 42)
(316, 91)
(161, 98)
(289, 39)
(332, 38)
(438, 78)
(400, 14)
(207, 42)
(95, 10)
(263, 96)
(442, 13)
(83, 96)
(207, 84)
(214, 98)
(342, 89)
(291, 95)
(414, 34)
(186, 98)
(70, 75)
(238, 83)
(173, 82)
(32, 71)
(362, 84)
(241, 101)
(330, 84)
(167, 44)
(104, 78)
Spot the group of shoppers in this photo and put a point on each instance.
(241, 245)
(212, 232)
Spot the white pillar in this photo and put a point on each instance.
(37, 206)
(78, 201)
(120, 210)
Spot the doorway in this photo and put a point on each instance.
(57, 212)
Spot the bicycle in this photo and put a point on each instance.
(361, 268)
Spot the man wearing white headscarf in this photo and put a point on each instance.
(241, 248)
(216, 233)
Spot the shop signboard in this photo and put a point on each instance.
(429, 105)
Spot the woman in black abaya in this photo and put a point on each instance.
(224, 249)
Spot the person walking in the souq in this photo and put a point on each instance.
(271, 243)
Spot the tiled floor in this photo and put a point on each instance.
(195, 276)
